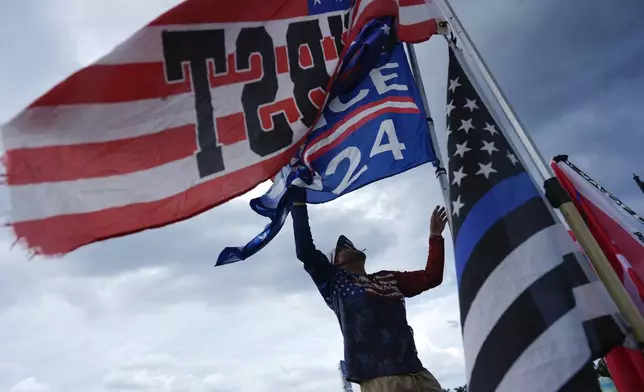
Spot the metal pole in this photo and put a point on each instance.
(457, 28)
(441, 173)
(639, 182)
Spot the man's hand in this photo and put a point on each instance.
(297, 195)
(438, 221)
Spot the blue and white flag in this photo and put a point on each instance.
(373, 127)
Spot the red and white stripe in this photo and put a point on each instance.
(417, 19)
(612, 229)
(353, 121)
(110, 150)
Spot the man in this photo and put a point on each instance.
(379, 349)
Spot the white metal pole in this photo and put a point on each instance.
(441, 173)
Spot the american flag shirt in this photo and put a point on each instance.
(378, 341)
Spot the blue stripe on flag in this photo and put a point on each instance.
(504, 198)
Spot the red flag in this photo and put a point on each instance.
(618, 230)
(198, 107)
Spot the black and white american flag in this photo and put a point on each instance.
(528, 323)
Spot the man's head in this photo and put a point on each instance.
(347, 257)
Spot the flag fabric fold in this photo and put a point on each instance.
(199, 106)
(373, 127)
(526, 326)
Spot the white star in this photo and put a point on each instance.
(471, 104)
(386, 29)
(449, 130)
(458, 176)
(490, 128)
(453, 84)
(512, 158)
(486, 170)
(461, 149)
(489, 147)
(450, 107)
(316, 2)
(466, 125)
(457, 205)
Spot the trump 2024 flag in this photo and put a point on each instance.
(374, 127)
(199, 106)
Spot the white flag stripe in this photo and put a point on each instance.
(593, 301)
(39, 201)
(518, 271)
(146, 46)
(601, 200)
(32, 202)
(551, 360)
(95, 123)
(418, 14)
(355, 119)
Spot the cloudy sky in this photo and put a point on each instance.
(149, 313)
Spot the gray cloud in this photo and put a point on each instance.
(148, 312)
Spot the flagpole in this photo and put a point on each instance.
(555, 193)
(440, 171)
(639, 182)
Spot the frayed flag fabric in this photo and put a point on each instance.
(526, 326)
(375, 129)
(198, 107)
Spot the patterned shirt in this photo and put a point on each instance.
(370, 308)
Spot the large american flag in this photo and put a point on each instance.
(199, 106)
(527, 323)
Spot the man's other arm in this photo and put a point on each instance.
(315, 262)
(413, 283)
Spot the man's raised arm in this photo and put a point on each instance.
(315, 262)
(415, 282)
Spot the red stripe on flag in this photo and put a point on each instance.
(328, 46)
(64, 233)
(67, 163)
(287, 106)
(231, 129)
(317, 97)
(281, 57)
(357, 125)
(418, 32)
(114, 83)
(231, 11)
(305, 56)
(236, 76)
(140, 81)
(354, 113)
